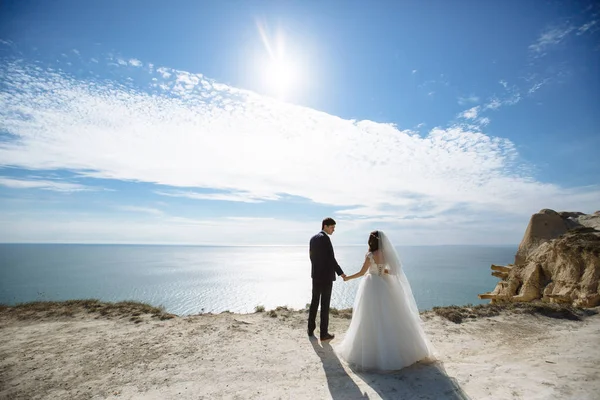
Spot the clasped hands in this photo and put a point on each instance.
(346, 278)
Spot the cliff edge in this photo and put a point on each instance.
(558, 261)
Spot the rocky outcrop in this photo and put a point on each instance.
(543, 227)
(558, 261)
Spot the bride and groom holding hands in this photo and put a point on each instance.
(385, 332)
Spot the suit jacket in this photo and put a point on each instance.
(323, 263)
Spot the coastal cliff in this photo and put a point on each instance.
(558, 261)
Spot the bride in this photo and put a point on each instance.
(385, 332)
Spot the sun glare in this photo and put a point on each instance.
(281, 73)
(280, 76)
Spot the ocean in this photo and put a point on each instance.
(201, 279)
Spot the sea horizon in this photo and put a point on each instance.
(192, 279)
(245, 245)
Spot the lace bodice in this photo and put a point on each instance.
(374, 268)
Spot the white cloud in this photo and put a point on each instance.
(446, 228)
(135, 63)
(144, 210)
(164, 72)
(585, 27)
(550, 38)
(537, 86)
(85, 228)
(414, 71)
(484, 121)
(248, 148)
(120, 61)
(493, 104)
(511, 97)
(54, 186)
(231, 196)
(471, 113)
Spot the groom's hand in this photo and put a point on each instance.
(343, 277)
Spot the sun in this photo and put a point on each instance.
(280, 68)
(281, 76)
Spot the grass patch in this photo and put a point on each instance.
(70, 308)
(259, 309)
(459, 314)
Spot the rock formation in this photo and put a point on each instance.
(558, 261)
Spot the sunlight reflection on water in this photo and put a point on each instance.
(193, 279)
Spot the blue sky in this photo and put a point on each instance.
(247, 122)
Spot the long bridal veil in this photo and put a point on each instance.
(391, 257)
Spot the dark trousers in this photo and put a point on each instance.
(320, 291)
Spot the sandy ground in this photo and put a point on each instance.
(255, 356)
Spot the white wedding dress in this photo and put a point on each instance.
(385, 332)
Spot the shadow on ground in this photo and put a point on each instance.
(419, 381)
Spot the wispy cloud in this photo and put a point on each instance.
(493, 104)
(483, 121)
(510, 96)
(554, 39)
(231, 196)
(586, 22)
(85, 228)
(54, 186)
(250, 219)
(471, 113)
(586, 27)
(550, 37)
(144, 210)
(537, 86)
(189, 132)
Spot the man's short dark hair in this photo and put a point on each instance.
(327, 222)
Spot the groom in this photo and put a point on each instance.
(323, 270)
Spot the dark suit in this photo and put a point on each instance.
(323, 270)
